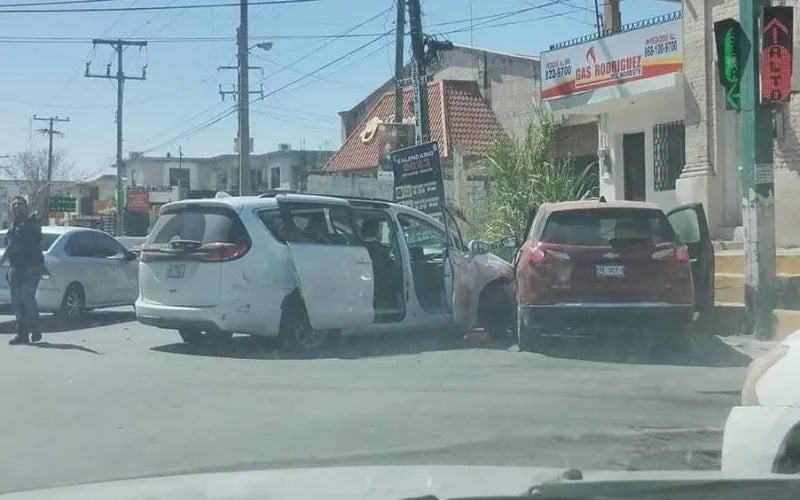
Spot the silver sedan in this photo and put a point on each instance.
(88, 269)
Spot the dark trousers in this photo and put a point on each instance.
(23, 283)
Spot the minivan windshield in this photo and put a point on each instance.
(201, 223)
(603, 226)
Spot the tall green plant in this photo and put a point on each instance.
(527, 172)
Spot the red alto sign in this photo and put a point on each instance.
(776, 54)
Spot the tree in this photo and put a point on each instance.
(526, 172)
(30, 168)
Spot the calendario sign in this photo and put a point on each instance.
(776, 54)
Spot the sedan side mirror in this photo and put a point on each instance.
(478, 247)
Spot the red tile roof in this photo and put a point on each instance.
(458, 116)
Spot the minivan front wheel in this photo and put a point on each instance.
(296, 332)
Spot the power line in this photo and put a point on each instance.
(224, 114)
(208, 39)
(56, 2)
(152, 7)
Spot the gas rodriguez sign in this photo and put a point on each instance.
(625, 57)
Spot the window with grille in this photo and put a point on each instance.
(669, 154)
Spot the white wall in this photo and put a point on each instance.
(638, 118)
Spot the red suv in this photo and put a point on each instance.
(624, 264)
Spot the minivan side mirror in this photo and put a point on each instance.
(478, 247)
(509, 242)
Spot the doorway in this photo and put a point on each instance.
(633, 165)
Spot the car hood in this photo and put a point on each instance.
(392, 482)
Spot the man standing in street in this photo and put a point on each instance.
(24, 256)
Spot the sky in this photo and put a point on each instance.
(45, 54)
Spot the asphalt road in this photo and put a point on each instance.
(117, 399)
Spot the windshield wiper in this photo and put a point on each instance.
(681, 489)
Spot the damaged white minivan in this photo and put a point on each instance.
(307, 267)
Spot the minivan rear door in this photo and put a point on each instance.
(183, 257)
(332, 265)
(690, 224)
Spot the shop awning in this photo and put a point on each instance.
(604, 100)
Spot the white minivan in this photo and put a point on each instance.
(304, 266)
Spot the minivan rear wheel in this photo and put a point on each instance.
(296, 332)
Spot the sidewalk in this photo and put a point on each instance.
(748, 345)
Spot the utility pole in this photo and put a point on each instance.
(611, 16)
(241, 93)
(236, 93)
(399, 56)
(244, 102)
(50, 131)
(119, 46)
(419, 79)
(758, 184)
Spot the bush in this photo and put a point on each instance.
(527, 172)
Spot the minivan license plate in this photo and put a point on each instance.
(610, 271)
(176, 270)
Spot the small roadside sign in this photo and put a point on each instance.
(63, 204)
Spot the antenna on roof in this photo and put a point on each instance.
(602, 199)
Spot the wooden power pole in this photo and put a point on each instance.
(120, 77)
(50, 131)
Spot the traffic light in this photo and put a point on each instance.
(728, 36)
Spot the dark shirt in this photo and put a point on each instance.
(23, 243)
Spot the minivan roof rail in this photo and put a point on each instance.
(272, 193)
(275, 192)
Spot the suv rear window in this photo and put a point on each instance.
(599, 227)
(203, 223)
(47, 240)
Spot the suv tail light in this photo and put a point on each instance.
(677, 253)
(541, 254)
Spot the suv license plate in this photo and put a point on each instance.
(610, 271)
(176, 270)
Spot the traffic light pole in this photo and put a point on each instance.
(758, 184)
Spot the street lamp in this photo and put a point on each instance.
(262, 46)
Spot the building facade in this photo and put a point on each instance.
(284, 168)
(664, 133)
(509, 83)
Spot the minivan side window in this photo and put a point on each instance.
(274, 222)
(313, 223)
(425, 241)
